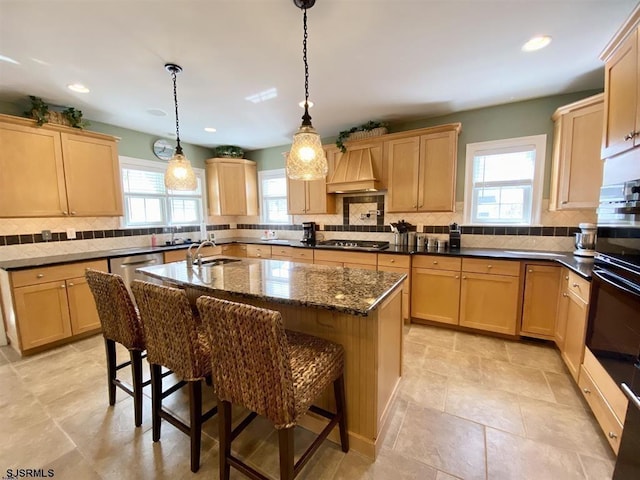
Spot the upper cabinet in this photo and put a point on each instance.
(421, 169)
(232, 186)
(310, 197)
(54, 171)
(621, 130)
(577, 168)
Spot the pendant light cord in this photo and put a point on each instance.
(306, 118)
(175, 101)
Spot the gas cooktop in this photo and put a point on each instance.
(365, 245)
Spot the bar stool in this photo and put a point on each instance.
(273, 373)
(174, 340)
(120, 324)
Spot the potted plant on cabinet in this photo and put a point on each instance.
(366, 130)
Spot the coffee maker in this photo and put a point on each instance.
(454, 236)
(309, 233)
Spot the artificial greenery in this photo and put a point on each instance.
(229, 151)
(40, 113)
(365, 127)
(39, 110)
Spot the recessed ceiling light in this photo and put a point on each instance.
(310, 103)
(78, 88)
(8, 60)
(210, 129)
(536, 43)
(156, 112)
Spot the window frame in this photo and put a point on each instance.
(537, 182)
(266, 175)
(160, 167)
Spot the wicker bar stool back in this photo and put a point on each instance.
(274, 373)
(120, 324)
(174, 340)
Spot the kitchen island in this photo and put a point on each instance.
(359, 309)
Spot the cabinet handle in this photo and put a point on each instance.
(64, 212)
(414, 206)
(489, 266)
(71, 284)
(612, 435)
(435, 262)
(564, 202)
(575, 285)
(40, 275)
(530, 271)
(586, 390)
(420, 206)
(259, 255)
(566, 277)
(630, 135)
(73, 212)
(564, 294)
(464, 278)
(457, 276)
(63, 286)
(393, 261)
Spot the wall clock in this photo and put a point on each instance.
(163, 149)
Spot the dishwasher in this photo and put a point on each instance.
(126, 266)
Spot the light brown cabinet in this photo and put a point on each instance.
(259, 251)
(57, 171)
(576, 174)
(398, 264)
(421, 172)
(309, 197)
(572, 317)
(232, 186)
(621, 83)
(51, 304)
(435, 289)
(234, 250)
(540, 304)
(346, 259)
(490, 295)
(299, 255)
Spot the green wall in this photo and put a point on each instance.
(132, 143)
(520, 119)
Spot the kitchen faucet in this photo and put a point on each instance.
(198, 256)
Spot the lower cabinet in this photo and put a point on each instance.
(291, 254)
(398, 264)
(489, 295)
(572, 321)
(234, 250)
(435, 295)
(258, 251)
(52, 304)
(540, 304)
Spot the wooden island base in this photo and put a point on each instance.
(373, 362)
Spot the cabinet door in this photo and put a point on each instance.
(437, 181)
(251, 189)
(43, 314)
(31, 172)
(296, 197)
(406, 287)
(621, 98)
(317, 200)
(539, 311)
(435, 295)
(82, 306)
(580, 168)
(561, 319)
(573, 351)
(232, 185)
(403, 159)
(92, 176)
(489, 302)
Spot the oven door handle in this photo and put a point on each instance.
(633, 398)
(617, 282)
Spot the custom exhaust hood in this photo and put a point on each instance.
(356, 171)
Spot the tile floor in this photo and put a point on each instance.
(469, 406)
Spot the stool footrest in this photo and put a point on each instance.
(242, 425)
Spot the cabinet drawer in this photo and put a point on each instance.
(610, 425)
(346, 257)
(492, 266)
(437, 262)
(36, 276)
(302, 253)
(388, 260)
(610, 391)
(579, 286)
(259, 251)
(282, 251)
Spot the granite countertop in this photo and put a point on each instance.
(582, 266)
(347, 290)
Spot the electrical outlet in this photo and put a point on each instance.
(71, 233)
(46, 235)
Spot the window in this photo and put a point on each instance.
(148, 203)
(273, 196)
(504, 181)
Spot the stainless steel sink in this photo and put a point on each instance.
(214, 262)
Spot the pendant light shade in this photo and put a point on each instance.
(179, 174)
(306, 160)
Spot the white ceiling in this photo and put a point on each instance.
(385, 60)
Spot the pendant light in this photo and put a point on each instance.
(179, 174)
(306, 160)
